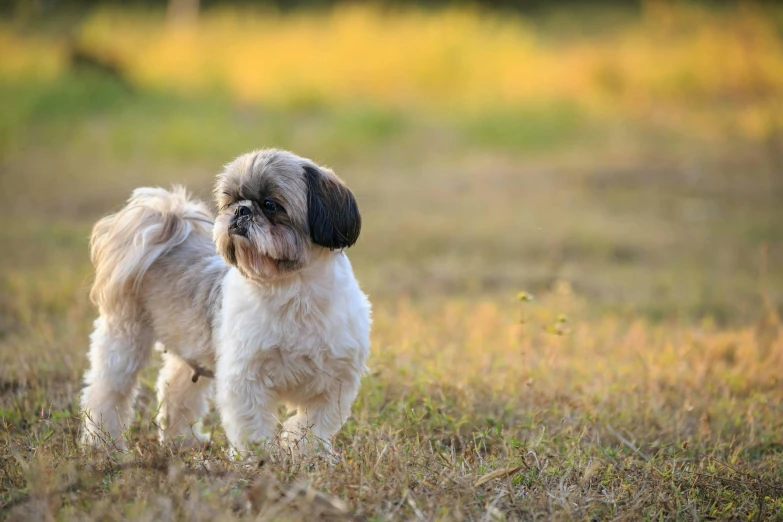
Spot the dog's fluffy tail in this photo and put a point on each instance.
(124, 245)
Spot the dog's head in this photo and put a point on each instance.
(278, 211)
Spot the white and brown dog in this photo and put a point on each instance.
(276, 315)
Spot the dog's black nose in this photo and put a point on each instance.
(242, 210)
(240, 220)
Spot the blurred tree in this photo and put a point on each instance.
(182, 11)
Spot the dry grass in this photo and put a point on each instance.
(472, 411)
(643, 381)
(595, 414)
(479, 405)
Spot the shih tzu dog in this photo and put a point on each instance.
(276, 315)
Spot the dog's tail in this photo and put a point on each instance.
(124, 245)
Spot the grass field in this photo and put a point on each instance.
(643, 380)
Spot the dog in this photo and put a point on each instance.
(263, 297)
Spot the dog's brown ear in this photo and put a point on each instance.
(332, 213)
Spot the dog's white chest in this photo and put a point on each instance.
(298, 346)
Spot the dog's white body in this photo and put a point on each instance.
(305, 344)
(278, 314)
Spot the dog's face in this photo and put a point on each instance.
(277, 211)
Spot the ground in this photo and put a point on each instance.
(575, 316)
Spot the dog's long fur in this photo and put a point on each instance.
(277, 312)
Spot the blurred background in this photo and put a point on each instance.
(620, 160)
(631, 150)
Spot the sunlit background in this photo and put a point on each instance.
(632, 150)
(572, 229)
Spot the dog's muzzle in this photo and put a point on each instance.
(240, 220)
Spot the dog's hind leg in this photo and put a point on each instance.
(183, 403)
(118, 352)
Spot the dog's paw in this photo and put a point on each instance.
(186, 440)
(233, 454)
(197, 438)
(328, 457)
(97, 440)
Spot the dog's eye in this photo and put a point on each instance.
(270, 207)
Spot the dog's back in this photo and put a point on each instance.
(124, 245)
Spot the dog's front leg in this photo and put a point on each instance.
(320, 418)
(246, 406)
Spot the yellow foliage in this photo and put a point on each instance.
(28, 57)
(668, 60)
